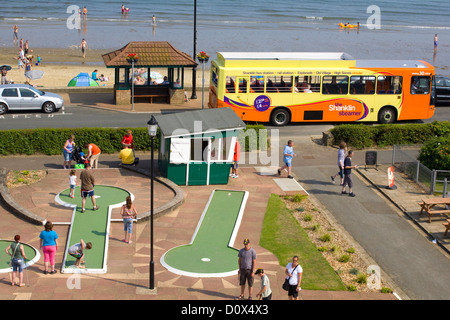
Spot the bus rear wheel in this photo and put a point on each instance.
(387, 115)
(280, 117)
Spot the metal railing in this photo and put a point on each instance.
(432, 181)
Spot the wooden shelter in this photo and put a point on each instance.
(153, 56)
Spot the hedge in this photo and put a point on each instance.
(360, 136)
(51, 141)
(435, 154)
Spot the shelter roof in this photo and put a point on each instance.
(151, 54)
(183, 124)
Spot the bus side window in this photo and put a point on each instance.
(284, 84)
(307, 84)
(242, 85)
(270, 85)
(420, 85)
(257, 84)
(230, 85)
(389, 84)
(362, 85)
(335, 85)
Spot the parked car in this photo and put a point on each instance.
(442, 89)
(25, 97)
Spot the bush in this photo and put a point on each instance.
(435, 154)
(351, 250)
(307, 217)
(362, 278)
(386, 290)
(351, 288)
(325, 238)
(344, 258)
(299, 197)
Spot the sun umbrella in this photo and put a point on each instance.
(34, 74)
(83, 80)
(7, 67)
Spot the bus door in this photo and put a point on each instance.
(419, 100)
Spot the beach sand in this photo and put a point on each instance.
(61, 65)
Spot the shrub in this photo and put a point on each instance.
(435, 154)
(299, 197)
(386, 290)
(300, 209)
(351, 288)
(353, 271)
(307, 217)
(325, 237)
(322, 249)
(344, 258)
(315, 227)
(362, 278)
(351, 250)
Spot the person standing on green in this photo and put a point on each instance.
(17, 259)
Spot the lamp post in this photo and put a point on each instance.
(152, 126)
(194, 69)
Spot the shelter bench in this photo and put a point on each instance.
(151, 96)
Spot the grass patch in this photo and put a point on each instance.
(283, 236)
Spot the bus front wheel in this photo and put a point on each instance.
(387, 115)
(280, 117)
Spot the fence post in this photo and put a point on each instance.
(417, 171)
(433, 181)
(444, 192)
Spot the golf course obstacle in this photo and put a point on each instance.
(210, 252)
(91, 226)
(32, 254)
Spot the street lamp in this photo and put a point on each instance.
(203, 59)
(132, 58)
(194, 69)
(152, 126)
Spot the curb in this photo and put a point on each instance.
(173, 204)
(12, 204)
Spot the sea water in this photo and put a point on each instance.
(402, 29)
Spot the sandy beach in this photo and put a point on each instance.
(61, 65)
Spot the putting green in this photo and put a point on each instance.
(91, 226)
(210, 253)
(32, 254)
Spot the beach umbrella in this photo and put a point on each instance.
(34, 74)
(7, 67)
(82, 80)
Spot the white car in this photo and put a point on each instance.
(25, 97)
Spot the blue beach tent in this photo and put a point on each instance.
(83, 80)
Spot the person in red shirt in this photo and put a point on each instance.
(127, 140)
(236, 157)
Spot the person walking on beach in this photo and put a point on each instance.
(49, 246)
(128, 213)
(87, 187)
(16, 35)
(348, 174)
(83, 47)
(18, 258)
(93, 154)
(68, 152)
(265, 293)
(341, 157)
(25, 47)
(435, 41)
(288, 154)
(84, 12)
(294, 273)
(246, 263)
(77, 251)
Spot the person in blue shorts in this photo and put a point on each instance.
(288, 154)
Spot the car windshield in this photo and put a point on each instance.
(39, 92)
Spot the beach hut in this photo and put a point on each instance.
(82, 80)
(144, 58)
(197, 147)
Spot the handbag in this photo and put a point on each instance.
(286, 281)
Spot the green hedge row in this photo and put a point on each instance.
(359, 136)
(51, 141)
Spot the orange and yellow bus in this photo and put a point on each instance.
(280, 87)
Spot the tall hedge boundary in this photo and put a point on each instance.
(51, 141)
(360, 136)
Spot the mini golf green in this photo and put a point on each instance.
(210, 253)
(91, 226)
(32, 254)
